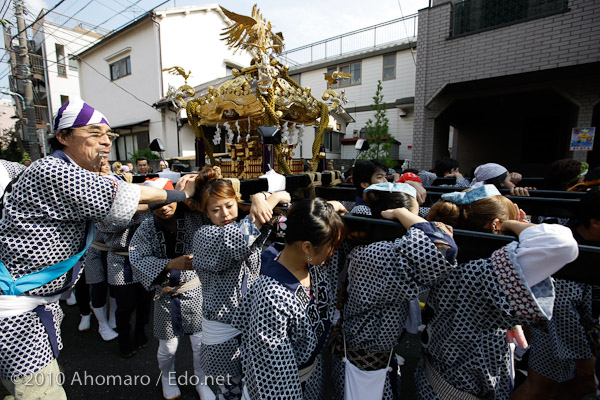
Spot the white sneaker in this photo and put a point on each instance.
(205, 392)
(170, 392)
(71, 301)
(84, 325)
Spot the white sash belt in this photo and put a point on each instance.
(215, 332)
(306, 372)
(17, 305)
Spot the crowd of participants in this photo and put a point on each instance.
(264, 296)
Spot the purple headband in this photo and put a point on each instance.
(75, 113)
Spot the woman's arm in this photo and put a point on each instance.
(406, 218)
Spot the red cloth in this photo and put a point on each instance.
(409, 176)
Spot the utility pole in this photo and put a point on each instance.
(23, 67)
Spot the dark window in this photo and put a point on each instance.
(73, 63)
(470, 16)
(354, 69)
(331, 141)
(389, 66)
(120, 68)
(60, 60)
(296, 78)
(63, 100)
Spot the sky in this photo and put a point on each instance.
(301, 21)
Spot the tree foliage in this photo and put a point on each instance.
(377, 131)
(149, 154)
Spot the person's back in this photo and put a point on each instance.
(464, 347)
(564, 173)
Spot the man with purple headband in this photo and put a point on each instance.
(47, 224)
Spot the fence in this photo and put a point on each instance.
(377, 35)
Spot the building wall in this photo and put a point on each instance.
(401, 128)
(561, 40)
(187, 37)
(193, 36)
(182, 30)
(48, 36)
(127, 100)
(7, 110)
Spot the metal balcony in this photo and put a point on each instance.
(362, 39)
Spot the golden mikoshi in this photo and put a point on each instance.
(261, 94)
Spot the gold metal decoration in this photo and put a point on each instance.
(261, 94)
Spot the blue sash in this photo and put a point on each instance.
(36, 279)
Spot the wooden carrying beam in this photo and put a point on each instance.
(250, 186)
(474, 245)
(556, 194)
(537, 206)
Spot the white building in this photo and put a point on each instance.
(56, 38)
(385, 52)
(122, 74)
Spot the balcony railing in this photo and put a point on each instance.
(470, 16)
(37, 65)
(41, 115)
(362, 39)
(62, 69)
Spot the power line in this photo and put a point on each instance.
(38, 18)
(7, 3)
(406, 32)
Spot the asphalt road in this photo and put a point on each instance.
(93, 369)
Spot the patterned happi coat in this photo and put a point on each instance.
(119, 269)
(94, 260)
(227, 260)
(44, 222)
(13, 169)
(284, 328)
(556, 344)
(473, 307)
(383, 279)
(151, 249)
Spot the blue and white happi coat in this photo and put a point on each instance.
(284, 328)
(473, 307)
(44, 222)
(227, 260)
(556, 344)
(383, 279)
(151, 249)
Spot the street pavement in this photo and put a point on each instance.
(93, 369)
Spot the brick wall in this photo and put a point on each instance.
(560, 40)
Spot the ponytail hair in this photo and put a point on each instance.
(474, 215)
(209, 184)
(316, 221)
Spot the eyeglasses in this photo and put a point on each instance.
(97, 134)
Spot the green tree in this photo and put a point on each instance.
(149, 154)
(377, 130)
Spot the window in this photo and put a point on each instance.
(353, 69)
(295, 78)
(73, 66)
(63, 100)
(331, 141)
(129, 142)
(389, 67)
(120, 68)
(60, 60)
